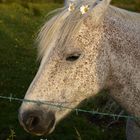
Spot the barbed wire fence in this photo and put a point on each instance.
(60, 106)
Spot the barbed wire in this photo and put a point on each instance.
(77, 110)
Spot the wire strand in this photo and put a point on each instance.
(77, 110)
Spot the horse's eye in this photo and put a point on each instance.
(73, 57)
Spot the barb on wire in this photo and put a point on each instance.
(10, 98)
(77, 110)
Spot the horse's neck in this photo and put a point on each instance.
(123, 33)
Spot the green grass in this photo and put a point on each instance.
(19, 24)
(132, 5)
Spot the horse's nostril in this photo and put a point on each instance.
(32, 122)
(37, 122)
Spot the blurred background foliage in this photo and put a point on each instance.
(133, 5)
(33, 1)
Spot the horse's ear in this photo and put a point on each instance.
(98, 9)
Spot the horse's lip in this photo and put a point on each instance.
(42, 134)
(49, 129)
(45, 133)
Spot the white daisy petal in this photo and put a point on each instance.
(71, 7)
(84, 9)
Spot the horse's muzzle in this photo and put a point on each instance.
(37, 122)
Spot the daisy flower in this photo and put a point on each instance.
(71, 7)
(84, 9)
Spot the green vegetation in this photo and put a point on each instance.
(132, 5)
(19, 24)
(32, 1)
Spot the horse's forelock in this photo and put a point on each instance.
(63, 24)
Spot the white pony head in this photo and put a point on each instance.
(73, 65)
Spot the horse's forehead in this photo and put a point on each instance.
(89, 34)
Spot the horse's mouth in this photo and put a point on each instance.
(42, 134)
(37, 122)
(43, 131)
